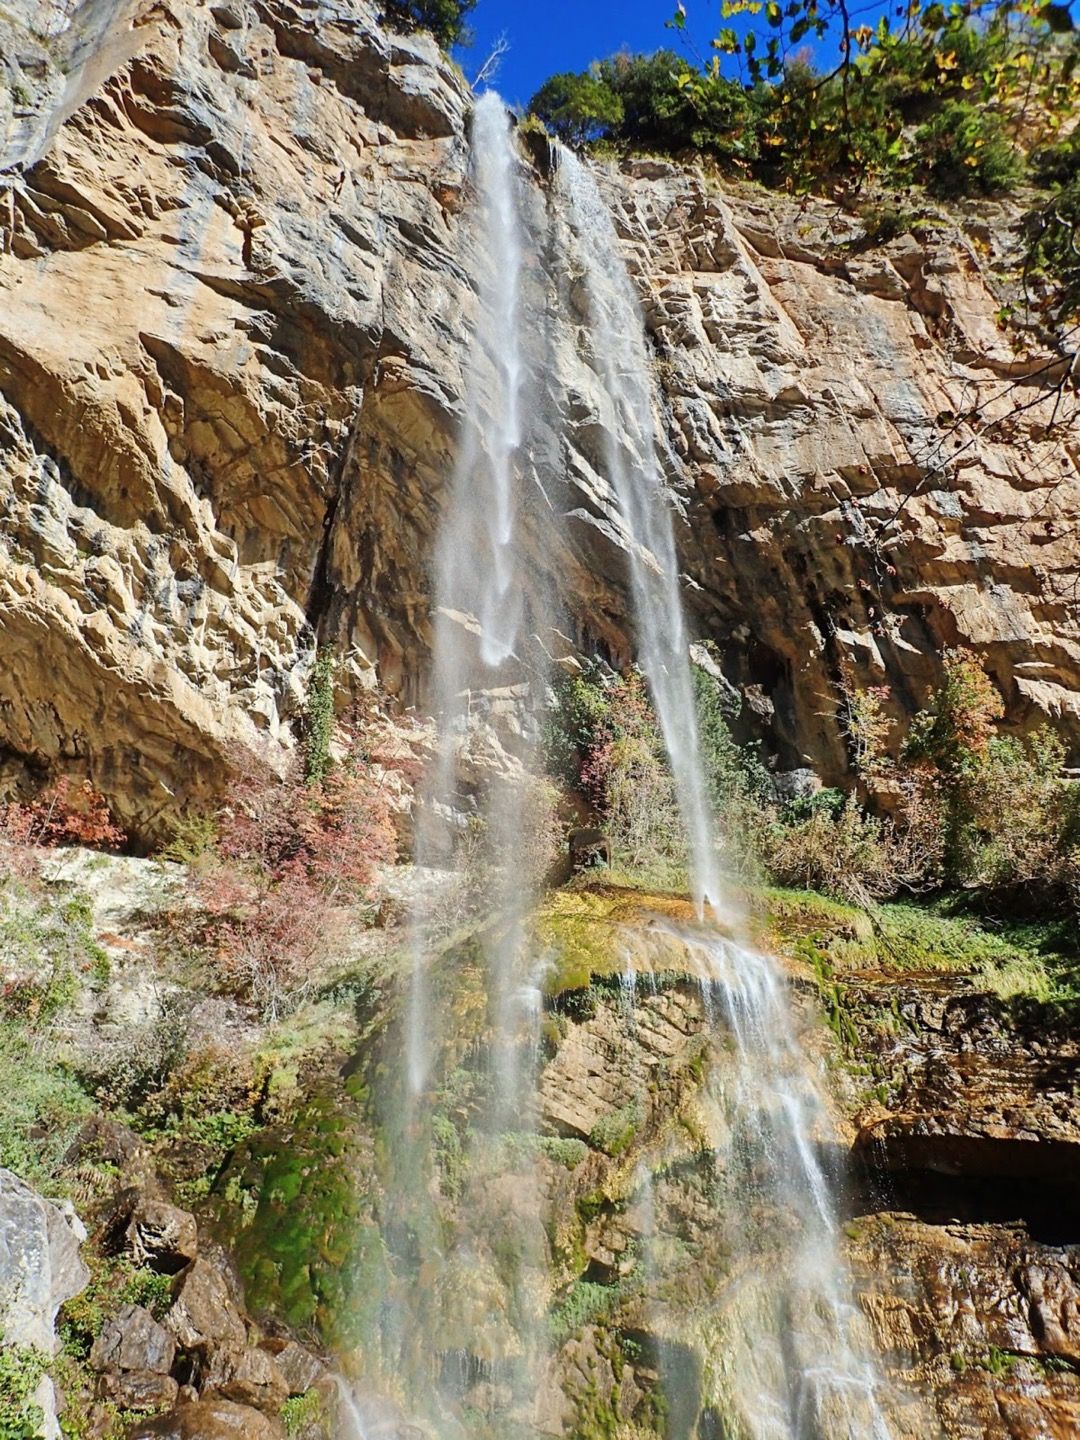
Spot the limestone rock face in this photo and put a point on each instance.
(862, 454)
(238, 275)
(40, 1268)
(40, 1265)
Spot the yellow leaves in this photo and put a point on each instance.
(946, 62)
(968, 82)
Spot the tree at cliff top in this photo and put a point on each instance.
(960, 99)
(444, 18)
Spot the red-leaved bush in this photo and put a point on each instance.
(288, 859)
(68, 812)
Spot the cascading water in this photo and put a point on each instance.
(478, 605)
(452, 1281)
(465, 1335)
(619, 354)
(796, 1364)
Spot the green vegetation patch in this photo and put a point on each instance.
(22, 1368)
(1020, 961)
(595, 932)
(291, 1204)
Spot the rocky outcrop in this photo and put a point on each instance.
(230, 392)
(40, 1268)
(866, 458)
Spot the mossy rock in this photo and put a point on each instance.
(603, 930)
(294, 1207)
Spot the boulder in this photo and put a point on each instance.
(133, 1340)
(248, 1377)
(202, 1314)
(40, 1265)
(208, 1420)
(299, 1368)
(161, 1235)
(40, 1268)
(139, 1390)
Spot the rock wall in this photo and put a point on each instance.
(236, 288)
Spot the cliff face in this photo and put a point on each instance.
(237, 282)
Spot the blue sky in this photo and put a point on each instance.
(550, 35)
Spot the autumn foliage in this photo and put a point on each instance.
(287, 860)
(68, 812)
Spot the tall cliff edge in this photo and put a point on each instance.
(237, 281)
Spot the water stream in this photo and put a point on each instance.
(619, 354)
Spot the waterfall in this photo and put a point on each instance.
(797, 1368)
(796, 1363)
(620, 357)
(465, 1327)
(454, 1280)
(478, 590)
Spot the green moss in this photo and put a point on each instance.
(293, 1205)
(1022, 963)
(591, 931)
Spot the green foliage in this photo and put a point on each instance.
(1020, 962)
(48, 943)
(959, 99)
(446, 19)
(647, 102)
(301, 1413)
(22, 1368)
(114, 1282)
(964, 150)
(577, 107)
(41, 1108)
(293, 1208)
(614, 1133)
(319, 719)
(1052, 231)
(579, 705)
(737, 782)
(586, 1303)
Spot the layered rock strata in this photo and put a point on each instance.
(238, 279)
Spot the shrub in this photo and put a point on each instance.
(319, 718)
(68, 812)
(444, 18)
(739, 786)
(577, 108)
(841, 852)
(652, 102)
(963, 150)
(1052, 233)
(41, 1108)
(626, 776)
(288, 855)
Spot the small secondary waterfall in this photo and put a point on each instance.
(633, 470)
(796, 1367)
